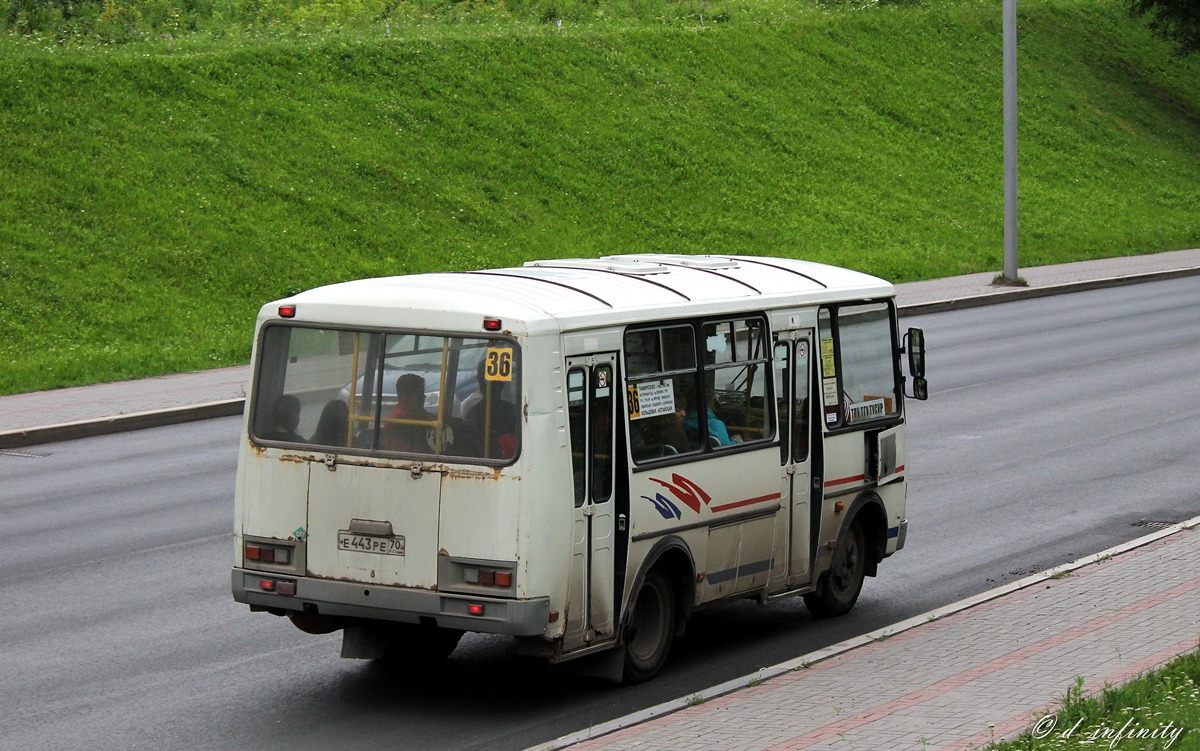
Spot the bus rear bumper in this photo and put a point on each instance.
(496, 615)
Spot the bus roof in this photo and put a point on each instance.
(598, 289)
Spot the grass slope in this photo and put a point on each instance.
(152, 197)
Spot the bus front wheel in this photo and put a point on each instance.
(650, 629)
(839, 588)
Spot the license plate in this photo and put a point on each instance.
(368, 544)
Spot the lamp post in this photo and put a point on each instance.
(1010, 140)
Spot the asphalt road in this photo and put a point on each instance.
(1054, 427)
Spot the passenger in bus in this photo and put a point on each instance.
(410, 405)
(333, 425)
(668, 430)
(491, 420)
(717, 432)
(285, 417)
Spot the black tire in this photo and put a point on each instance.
(419, 646)
(650, 629)
(313, 623)
(839, 588)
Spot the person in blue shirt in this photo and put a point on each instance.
(716, 428)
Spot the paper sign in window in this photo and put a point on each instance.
(651, 399)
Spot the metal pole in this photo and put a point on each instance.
(1010, 140)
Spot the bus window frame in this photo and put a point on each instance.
(699, 371)
(842, 427)
(766, 341)
(259, 394)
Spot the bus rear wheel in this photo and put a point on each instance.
(413, 645)
(839, 589)
(650, 629)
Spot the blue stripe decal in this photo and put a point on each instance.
(893, 532)
(729, 574)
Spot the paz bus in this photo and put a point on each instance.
(577, 453)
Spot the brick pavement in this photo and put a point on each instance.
(960, 681)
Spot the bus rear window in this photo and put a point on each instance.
(389, 392)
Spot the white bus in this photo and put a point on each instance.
(576, 453)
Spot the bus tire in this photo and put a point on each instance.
(413, 645)
(839, 588)
(650, 628)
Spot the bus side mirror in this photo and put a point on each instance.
(920, 389)
(914, 345)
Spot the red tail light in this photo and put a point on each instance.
(278, 586)
(488, 577)
(267, 553)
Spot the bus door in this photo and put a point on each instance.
(591, 390)
(793, 351)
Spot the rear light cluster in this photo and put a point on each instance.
(277, 586)
(268, 553)
(489, 577)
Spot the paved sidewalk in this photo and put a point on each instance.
(64, 414)
(972, 290)
(957, 678)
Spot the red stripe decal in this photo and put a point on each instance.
(747, 502)
(845, 481)
(685, 490)
(856, 478)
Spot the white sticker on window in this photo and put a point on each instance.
(651, 399)
(830, 392)
(869, 410)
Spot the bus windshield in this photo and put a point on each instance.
(388, 392)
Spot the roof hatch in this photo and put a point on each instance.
(615, 264)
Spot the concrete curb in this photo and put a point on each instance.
(820, 655)
(1008, 294)
(119, 423)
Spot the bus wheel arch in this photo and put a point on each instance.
(660, 602)
(869, 511)
(859, 549)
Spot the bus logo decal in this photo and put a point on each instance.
(686, 491)
(663, 506)
(692, 496)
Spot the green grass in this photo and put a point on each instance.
(1160, 710)
(154, 194)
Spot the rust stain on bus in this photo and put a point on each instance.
(455, 471)
(461, 473)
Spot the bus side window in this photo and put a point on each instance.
(577, 421)
(736, 381)
(858, 364)
(684, 399)
(661, 391)
(783, 375)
